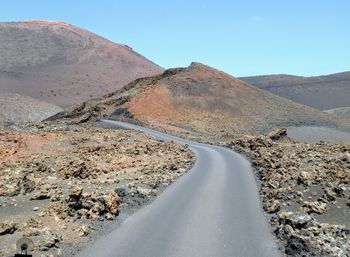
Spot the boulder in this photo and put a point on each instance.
(297, 246)
(316, 207)
(298, 221)
(40, 195)
(278, 134)
(274, 207)
(75, 169)
(112, 203)
(8, 227)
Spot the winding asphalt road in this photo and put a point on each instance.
(212, 211)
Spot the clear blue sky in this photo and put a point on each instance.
(301, 37)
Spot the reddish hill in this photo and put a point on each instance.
(63, 64)
(321, 92)
(199, 99)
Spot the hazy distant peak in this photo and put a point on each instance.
(322, 92)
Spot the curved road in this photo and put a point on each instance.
(212, 211)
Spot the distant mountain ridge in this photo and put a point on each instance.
(62, 64)
(342, 112)
(321, 92)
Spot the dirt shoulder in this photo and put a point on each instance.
(59, 184)
(306, 190)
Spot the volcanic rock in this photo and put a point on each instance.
(7, 227)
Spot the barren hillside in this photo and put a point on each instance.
(200, 99)
(321, 92)
(342, 111)
(63, 64)
(17, 108)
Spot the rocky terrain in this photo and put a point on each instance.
(62, 64)
(62, 184)
(306, 190)
(16, 108)
(200, 100)
(64, 180)
(304, 187)
(321, 92)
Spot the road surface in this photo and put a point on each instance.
(212, 211)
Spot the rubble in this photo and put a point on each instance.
(316, 207)
(62, 181)
(301, 183)
(7, 227)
